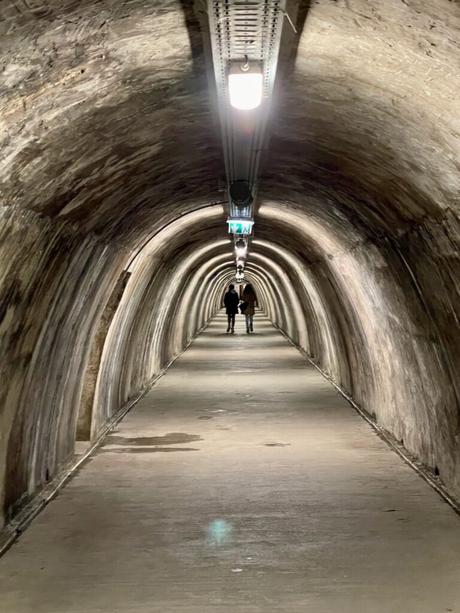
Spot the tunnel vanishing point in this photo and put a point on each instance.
(121, 161)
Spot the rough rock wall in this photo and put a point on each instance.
(109, 160)
(57, 288)
(366, 142)
(370, 330)
(101, 105)
(53, 283)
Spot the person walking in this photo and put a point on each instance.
(250, 299)
(231, 301)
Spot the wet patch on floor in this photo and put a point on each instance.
(206, 417)
(147, 449)
(172, 438)
(277, 444)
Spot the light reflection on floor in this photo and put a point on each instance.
(219, 532)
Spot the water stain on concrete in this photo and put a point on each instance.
(277, 444)
(120, 450)
(172, 438)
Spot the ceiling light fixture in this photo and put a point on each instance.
(245, 85)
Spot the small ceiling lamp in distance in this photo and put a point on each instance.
(245, 85)
(240, 264)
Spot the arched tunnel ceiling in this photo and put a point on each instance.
(101, 110)
(109, 168)
(103, 103)
(366, 125)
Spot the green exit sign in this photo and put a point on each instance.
(240, 226)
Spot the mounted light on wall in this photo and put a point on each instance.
(240, 226)
(245, 85)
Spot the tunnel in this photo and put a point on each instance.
(115, 254)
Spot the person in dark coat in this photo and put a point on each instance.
(250, 300)
(231, 301)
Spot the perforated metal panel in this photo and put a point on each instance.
(245, 28)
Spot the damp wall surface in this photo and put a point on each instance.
(113, 252)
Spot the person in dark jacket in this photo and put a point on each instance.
(250, 300)
(231, 301)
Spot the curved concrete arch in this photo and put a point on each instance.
(109, 163)
(295, 322)
(259, 285)
(161, 325)
(276, 303)
(322, 338)
(380, 381)
(226, 277)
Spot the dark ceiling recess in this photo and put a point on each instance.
(240, 194)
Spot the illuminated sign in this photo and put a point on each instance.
(240, 226)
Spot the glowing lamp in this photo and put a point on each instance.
(245, 86)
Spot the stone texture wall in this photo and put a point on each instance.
(58, 289)
(109, 165)
(373, 329)
(53, 283)
(366, 143)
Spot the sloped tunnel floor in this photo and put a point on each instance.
(241, 482)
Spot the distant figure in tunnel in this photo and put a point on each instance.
(231, 301)
(250, 299)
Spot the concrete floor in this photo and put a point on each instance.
(241, 483)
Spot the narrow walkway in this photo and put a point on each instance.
(241, 483)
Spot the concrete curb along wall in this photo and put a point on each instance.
(424, 472)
